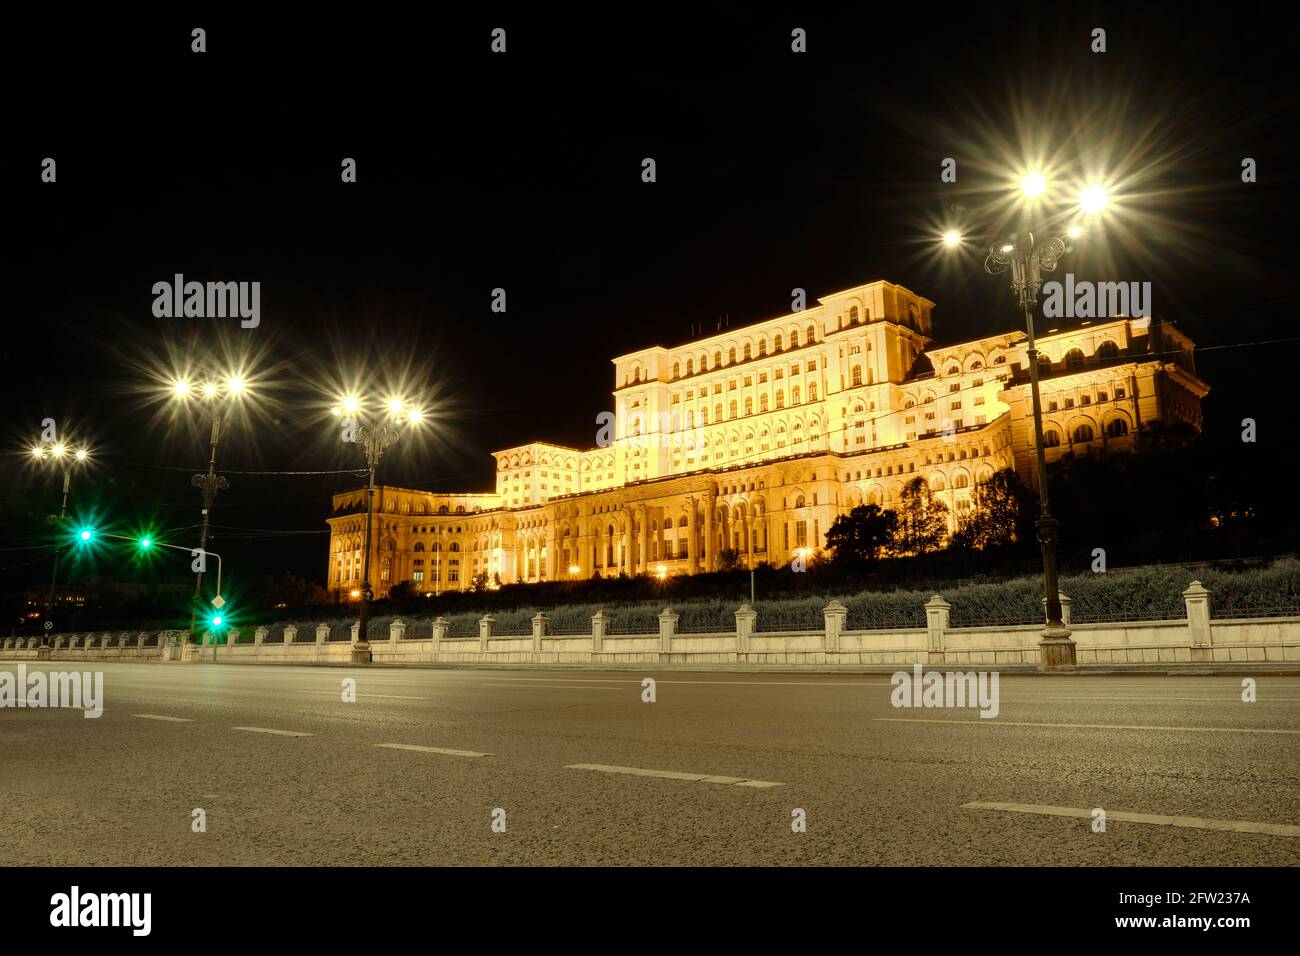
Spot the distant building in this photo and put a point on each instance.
(755, 439)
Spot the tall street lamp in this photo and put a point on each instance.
(58, 455)
(372, 433)
(218, 396)
(1028, 259)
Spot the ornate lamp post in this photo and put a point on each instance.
(218, 397)
(1028, 259)
(56, 453)
(373, 436)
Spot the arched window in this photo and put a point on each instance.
(762, 402)
(762, 347)
(749, 406)
(717, 358)
(442, 509)
(776, 343)
(794, 339)
(1107, 350)
(954, 369)
(1083, 433)
(1074, 359)
(937, 484)
(1116, 428)
(780, 398)
(731, 356)
(1051, 439)
(961, 481)
(419, 546)
(794, 394)
(853, 314)
(676, 370)
(732, 409)
(809, 337)
(690, 366)
(455, 546)
(812, 392)
(746, 355)
(717, 412)
(1044, 363)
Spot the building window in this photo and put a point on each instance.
(1117, 428)
(1051, 439)
(1083, 433)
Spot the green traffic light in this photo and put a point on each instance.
(216, 620)
(86, 534)
(145, 544)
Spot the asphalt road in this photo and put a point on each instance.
(878, 785)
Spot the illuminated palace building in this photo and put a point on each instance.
(743, 447)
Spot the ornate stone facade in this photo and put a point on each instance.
(754, 440)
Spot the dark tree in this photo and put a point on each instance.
(922, 520)
(1002, 515)
(858, 538)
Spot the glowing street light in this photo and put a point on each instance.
(57, 453)
(219, 392)
(1033, 184)
(1074, 232)
(373, 436)
(952, 238)
(1093, 199)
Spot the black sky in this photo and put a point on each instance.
(522, 171)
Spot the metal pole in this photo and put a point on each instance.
(362, 648)
(1046, 524)
(209, 493)
(58, 552)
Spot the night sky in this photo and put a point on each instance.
(522, 171)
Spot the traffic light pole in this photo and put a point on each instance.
(209, 484)
(54, 574)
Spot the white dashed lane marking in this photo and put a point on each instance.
(995, 722)
(339, 694)
(674, 775)
(1155, 819)
(434, 750)
(278, 733)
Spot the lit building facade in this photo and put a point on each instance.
(744, 446)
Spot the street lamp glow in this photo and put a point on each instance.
(235, 385)
(1074, 232)
(58, 451)
(38, 451)
(574, 569)
(1033, 184)
(414, 416)
(81, 454)
(349, 405)
(85, 534)
(661, 573)
(181, 388)
(395, 407)
(1093, 199)
(952, 238)
(209, 390)
(1008, 247)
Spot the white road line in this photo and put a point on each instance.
(1195, 823)
(980, 722)
(674, 775)
(1161, 700)
(615, 690)
(335, 693)
(176, 720)
(434, 750)
(279, 733)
